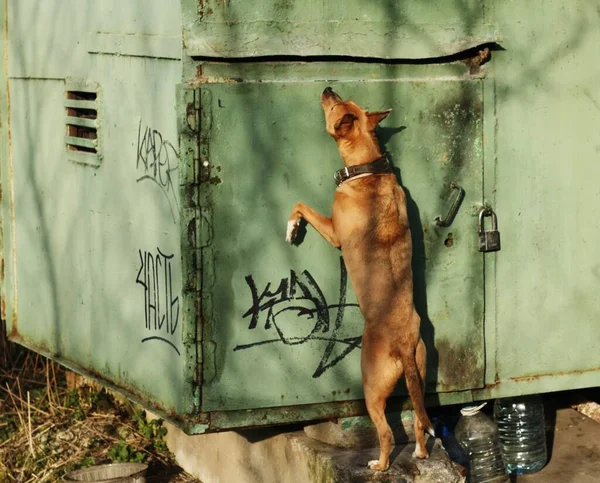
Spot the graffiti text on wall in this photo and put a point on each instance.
(300, 295)
(157, 160)
(161, 309)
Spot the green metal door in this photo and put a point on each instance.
(280, 323)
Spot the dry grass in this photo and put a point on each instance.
(47, 430)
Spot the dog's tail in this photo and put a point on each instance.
(416, 392)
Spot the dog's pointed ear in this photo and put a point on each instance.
(374, 118)
(345, 123)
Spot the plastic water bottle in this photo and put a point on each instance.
(478, 436)
(522, 431)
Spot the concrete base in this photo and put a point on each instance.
(265, 456)
(574, 451)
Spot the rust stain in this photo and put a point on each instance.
(449, 240)
(209, 79)
(10, 177)
(534, 377)
(2, 301)
(191, 232)
(459, 366)
(474, 63)
(493, 385)
(14, 332)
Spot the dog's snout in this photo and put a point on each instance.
(329, 95)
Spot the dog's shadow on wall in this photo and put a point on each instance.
(419, 263)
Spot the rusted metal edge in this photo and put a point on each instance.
(134, 395)
(4, 128)
(216, 421)
(189, 127)
(208, 364)
(539, 383)
(467, 65)
(533, 377)
(10, 234)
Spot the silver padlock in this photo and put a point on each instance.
(489, 241)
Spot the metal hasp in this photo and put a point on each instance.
(489, 241)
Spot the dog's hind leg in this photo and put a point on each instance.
(380, 374)
(420, 450)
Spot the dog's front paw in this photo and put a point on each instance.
(292, 229)
(377, 466)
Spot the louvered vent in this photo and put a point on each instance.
(83, 129)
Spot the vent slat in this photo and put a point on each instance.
(80, 121)
(77, 104)
(81, 142)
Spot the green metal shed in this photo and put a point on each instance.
(152, 151)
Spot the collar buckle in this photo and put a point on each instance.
(341, 175)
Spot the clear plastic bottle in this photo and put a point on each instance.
(522, 431)
(478, 436)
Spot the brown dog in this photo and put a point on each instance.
(370, 224)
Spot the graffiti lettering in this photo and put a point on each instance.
(157, 159)
(301, 294)
(161, 309)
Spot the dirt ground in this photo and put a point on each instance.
(52, 423)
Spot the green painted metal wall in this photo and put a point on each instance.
(385, 29)
(542, 292)
(164, 271)
(93, 255)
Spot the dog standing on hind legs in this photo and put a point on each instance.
(370, 224)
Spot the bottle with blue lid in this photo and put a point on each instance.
(522, 430)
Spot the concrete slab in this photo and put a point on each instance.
(265, 456)
(290, 456)
(574, 451)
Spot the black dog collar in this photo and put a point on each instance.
(379, 166)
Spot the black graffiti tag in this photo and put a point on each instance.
(301, 294)
(157, 160)
(161, 309)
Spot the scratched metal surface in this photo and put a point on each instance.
(284, 328)
(94, 254)
(385, 29)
